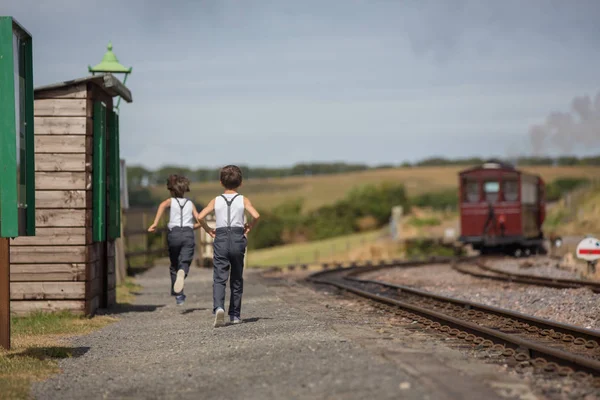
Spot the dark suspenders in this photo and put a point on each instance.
(229, 203)
(181, 211)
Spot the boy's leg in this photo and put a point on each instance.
(174, 250)
(236, 284)
(186, 255)
(220, 271)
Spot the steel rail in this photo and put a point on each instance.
(527, 279)
(588, 334)
(533, 349)
(575, 282)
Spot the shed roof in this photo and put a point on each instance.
(108, 82)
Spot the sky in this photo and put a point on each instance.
(276, 82)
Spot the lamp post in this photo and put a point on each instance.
(111, 64)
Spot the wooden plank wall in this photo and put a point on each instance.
(56, 269)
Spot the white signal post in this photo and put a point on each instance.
(589, 250)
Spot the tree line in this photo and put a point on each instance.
(139, 176)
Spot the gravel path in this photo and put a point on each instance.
(573, 306)
(295, 343)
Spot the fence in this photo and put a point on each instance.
(143, 248)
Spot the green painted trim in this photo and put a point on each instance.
(99, 173)
(29, 138)
(9, 221)
(114, 177)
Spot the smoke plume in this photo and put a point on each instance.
(568, 131)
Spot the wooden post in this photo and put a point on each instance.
(5, 293)
(125, 238)
(120, 261)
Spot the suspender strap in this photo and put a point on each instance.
(229, 202)
(181, 211)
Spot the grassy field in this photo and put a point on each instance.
(576, 214)
(319, 190)
(340, 248)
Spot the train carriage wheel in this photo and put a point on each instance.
(518, 252)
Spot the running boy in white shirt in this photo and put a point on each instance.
(180, 237)
(230, 243)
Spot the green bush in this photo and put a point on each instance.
(440, 200)
(376, 201)
(559, 187)
(290, 213)
(330, 221)
(267, 233)
(344, 216)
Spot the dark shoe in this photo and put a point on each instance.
(180, 299)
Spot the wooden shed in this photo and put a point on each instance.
(70, 263)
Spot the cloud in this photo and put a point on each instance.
(276, 82)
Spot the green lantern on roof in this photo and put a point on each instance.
(110, 64)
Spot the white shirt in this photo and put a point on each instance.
(182, 213)
(236, 212)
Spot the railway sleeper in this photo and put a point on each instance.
(514, 345)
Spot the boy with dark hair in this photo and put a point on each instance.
(229, 247)
(180, 237)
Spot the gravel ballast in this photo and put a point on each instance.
(572, 306)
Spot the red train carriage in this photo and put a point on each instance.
(501, 208)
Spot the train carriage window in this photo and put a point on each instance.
(471, 189)
(510, 190)
(529, 192)
(491, 190)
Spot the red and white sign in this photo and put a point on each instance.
(589, 249)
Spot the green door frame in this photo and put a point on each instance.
(14, 186)
(9, 197)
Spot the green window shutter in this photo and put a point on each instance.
(17, 169)
(99, 173)
(29, 139)
(8, 145)
(114, 177)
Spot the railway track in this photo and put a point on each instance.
(533, 342)
(479, 269)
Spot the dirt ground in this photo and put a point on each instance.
(295, 343)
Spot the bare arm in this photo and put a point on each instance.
(195, 213)
(161, 209)
(206, 210)
(252, 211)
(202, 214)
